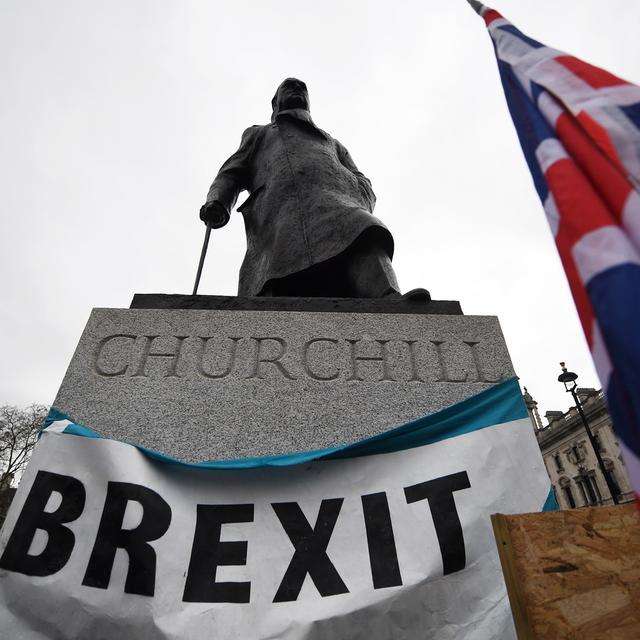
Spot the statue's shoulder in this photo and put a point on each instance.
(251, 135)
(341, 148)
(253, 130)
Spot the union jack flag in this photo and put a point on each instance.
(579, 128)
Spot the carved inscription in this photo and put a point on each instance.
(172, 364)
(204, 365)
(330, 373)
(269, 351)
(482, 376)
(357, 359)
(322, 358)
(103, 371)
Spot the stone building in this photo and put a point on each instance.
(569, 458)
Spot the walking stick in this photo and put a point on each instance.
(202, 255)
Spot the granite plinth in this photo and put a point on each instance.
(201, 384)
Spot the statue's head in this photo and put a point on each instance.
(291, 94)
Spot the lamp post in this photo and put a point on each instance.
(568, 378)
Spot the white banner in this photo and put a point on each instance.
(375, 540)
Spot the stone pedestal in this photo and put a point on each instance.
(203, 377)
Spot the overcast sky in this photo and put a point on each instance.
(116, 115)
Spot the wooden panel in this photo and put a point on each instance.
(573, 574)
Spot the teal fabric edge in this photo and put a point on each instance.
(499, 404)
(551, 504)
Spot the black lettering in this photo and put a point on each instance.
(310, 555)
(156, 517)
(439, 493)
(383, 556)
(209, 552)
(60, 539)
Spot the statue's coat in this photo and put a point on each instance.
(308, 202)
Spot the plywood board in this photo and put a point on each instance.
(573, 574)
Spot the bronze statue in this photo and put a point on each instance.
(308, 218)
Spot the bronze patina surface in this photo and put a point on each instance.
(309, 222)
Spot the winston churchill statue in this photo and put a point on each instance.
(308, 218)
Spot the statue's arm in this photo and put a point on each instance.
(232, 178)
(363, 182)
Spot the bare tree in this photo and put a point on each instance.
(18, 433)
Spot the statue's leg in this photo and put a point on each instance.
(363, 270)
(325, 279)
(369, 271)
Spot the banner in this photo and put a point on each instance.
(386, 538)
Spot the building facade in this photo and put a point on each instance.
(569, 457)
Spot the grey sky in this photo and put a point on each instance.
(115, 116)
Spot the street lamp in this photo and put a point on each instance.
(568, 378)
